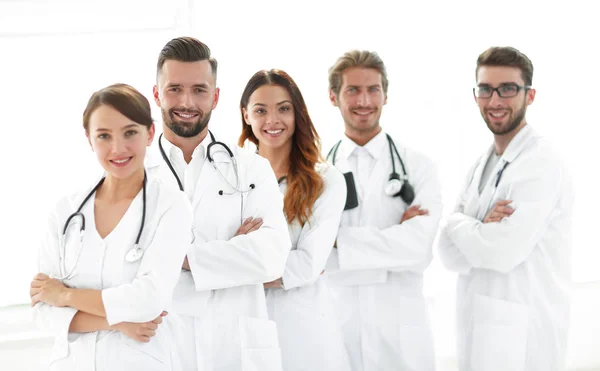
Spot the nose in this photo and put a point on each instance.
(364, 99)
(119, 145)
(495, 100)
(272, 117)
(186, 100)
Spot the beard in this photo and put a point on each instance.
(513, 123)
(182, 128)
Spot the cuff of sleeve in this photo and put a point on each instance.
(470, 252)
(345, 250)
(192, 257)
(288, 282)
(113, 305)
(58, 319)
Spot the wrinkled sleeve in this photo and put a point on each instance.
(253, 258)
(49, 318)
(406, 246)
(305, 263)
(503, 246)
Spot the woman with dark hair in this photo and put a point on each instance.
(276, 120)
(113, 253)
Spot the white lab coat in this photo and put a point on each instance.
(309, 334)
(220, 306)
(131, 291)
(513, 284)
(376, 272)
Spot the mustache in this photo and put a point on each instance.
(186, 110)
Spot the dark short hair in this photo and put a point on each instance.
(123, 98)
(506, 56)
(186, 49)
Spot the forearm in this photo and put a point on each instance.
(85, 300)
(85, 322)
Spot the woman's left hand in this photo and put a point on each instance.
(48, 290)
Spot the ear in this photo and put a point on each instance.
(216, 98)
(333, 98)
(245, 115)
(151, 133)
(155, 95)
(385, 99)
(530, 97)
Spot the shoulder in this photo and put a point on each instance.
(164, 195)
(332, 177)
(416, 160)
(69, 203)
(249, 161)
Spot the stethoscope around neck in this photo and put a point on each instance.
(132, 255)
(237, 187)
(397, 185)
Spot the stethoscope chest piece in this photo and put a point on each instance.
(134, 254)
(394, 185)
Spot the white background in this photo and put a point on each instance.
(54, 54)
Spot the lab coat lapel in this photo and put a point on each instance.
(515, 147)
(472, 202)
(206, 184)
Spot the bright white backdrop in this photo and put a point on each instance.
(53, 55)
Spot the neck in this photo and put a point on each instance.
(362, 137)
(279, 158)
(186, 145)
(501, 142)
(114, 189)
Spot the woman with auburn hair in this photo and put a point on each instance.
(113, 252)
(276, 120)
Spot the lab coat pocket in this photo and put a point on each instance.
(144, 356)
(414, 334)
(499, 338)
(59, 351)
(260, 345)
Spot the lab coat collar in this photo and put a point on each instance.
(517, 144)
(154, 157)
(375, 146)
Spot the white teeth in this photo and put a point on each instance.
(185, 115)
(497, 114)
(274, 131)
(121, 161)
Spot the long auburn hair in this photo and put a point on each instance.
(305, 184)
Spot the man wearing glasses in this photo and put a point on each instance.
(509, 236)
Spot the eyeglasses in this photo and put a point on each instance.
(504, 91)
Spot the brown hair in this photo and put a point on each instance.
(304, 182)
(507, 56)
(356, 58)
(125, 99)
(186, 49)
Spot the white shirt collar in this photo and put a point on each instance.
(374, 147)
(172, 151)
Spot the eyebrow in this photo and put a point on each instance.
(176, 85)
(501, 84)
(369, 86)
(124, 128)
(278, 104)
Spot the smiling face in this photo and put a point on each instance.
(270, 113)
(186, 94)
(503, 115)
(119, 143)
(360, 100)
